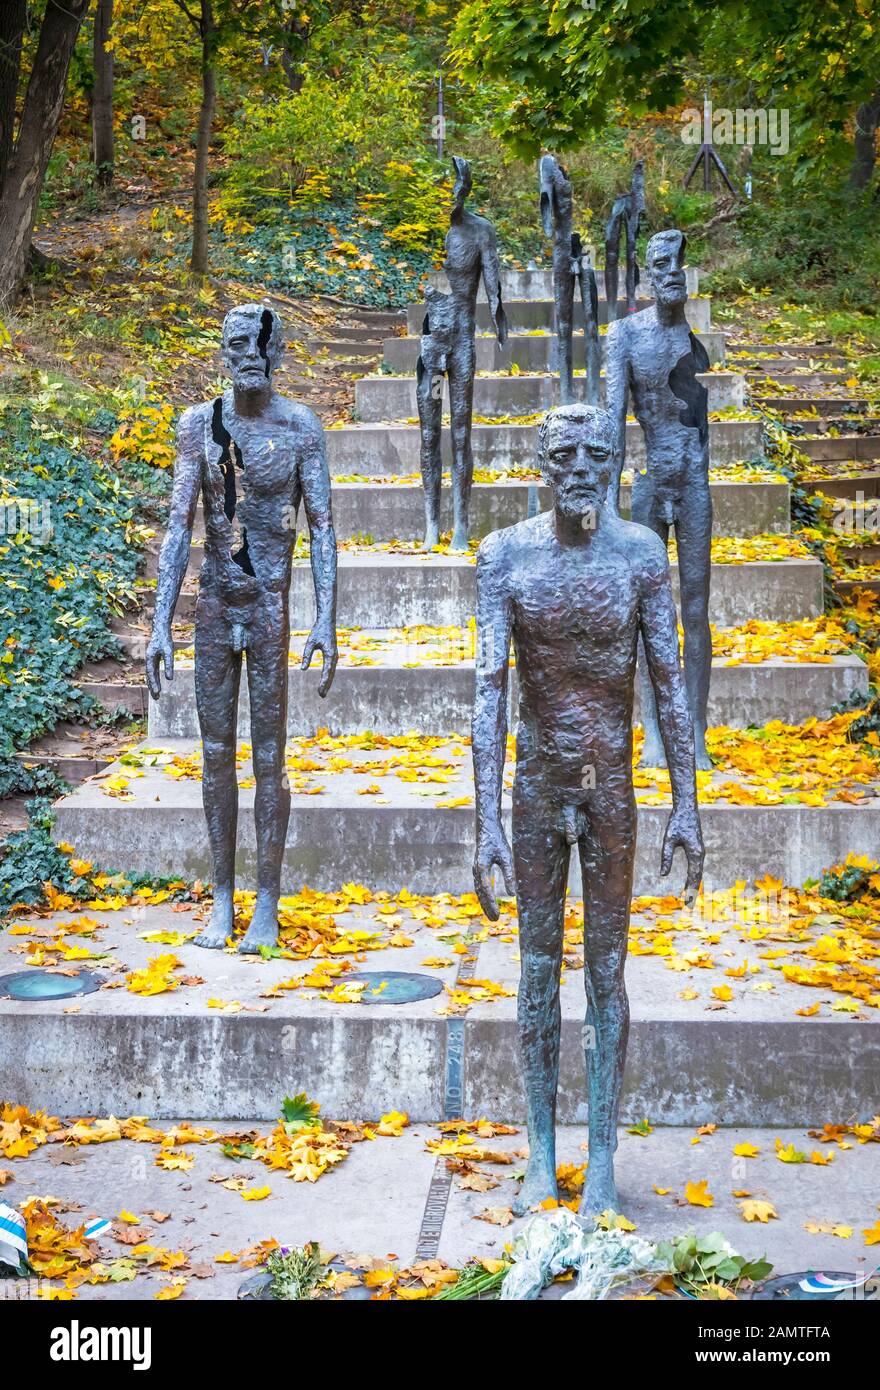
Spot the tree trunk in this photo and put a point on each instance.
(867, 120)
(297, 37)
(41, 112)
(199, 256)
(13, 19)
(102, 96)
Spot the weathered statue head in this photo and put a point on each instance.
(555, 187)
(252, 345)
(462, 186)
(664, 266)
(575, 444)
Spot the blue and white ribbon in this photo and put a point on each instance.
(13, 1236)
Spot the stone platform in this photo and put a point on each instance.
(394, 397)
(418, 828)
(391, 448)
(690, 1061)
(534, 351)
(392, 695)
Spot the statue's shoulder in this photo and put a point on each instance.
(501, 548)
(644, 549)
(300, 418)
(194, 426)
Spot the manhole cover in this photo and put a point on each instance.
(395, 986)
(788, 1286)
(41, 986)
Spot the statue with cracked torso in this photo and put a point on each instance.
(655, 357)
(574, 589)
(269, 449)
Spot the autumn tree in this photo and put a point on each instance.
(25, 145)
(102, 94)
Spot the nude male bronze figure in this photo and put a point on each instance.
(254, 455)
(574, 589)
(569, 270)
(447, 350)
(654, 357)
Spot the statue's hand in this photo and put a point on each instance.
(683, 831)
(322, 638)
(493, 851)
(160, 653)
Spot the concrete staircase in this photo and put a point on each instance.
(756, 1062)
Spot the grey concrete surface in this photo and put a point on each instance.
(384, 450)
(391, 696)
(406, 835)
(523, 314)
(535, 352)
(394, 397)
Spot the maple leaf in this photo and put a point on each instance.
(872, 1234)
(746, 1150)
(755, 1210)
(172, 1290)
(393, 1124)
(256, 1194)
(697, 1194)
(179, 1160)
(496, 1216)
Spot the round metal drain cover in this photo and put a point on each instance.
(42, 986)
(787, 1286)
(395, 986)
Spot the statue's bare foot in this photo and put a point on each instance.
(263, 930)
(653, 753)
(220, 925)
(432, 536)
(600, 1192)
(459, 540)
(538, 1184)
(704, 758)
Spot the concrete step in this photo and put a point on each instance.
(391, 695)
(847, 487)
(124, 1054)
(808, 350)
(840, 448)
(533, 352)
(407, 588)
(394, 397)
(386, 450)
(538, 284)
(392, 510)
(112, 694)
(523, 314)
(807, 382)
(836, 406)
(346, 347)
(406, 835)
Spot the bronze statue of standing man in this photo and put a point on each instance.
(574, 589)
(253, 455)
(654, 356)
(447, 350)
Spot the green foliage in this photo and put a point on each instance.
(296, 1271)
(69, 556)
(30, 858)
(847, 883)
(704, 1260)
(336, 249)
(298, 1112)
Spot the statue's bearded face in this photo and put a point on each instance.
(251, 350)
(665, 267)
(576, 463)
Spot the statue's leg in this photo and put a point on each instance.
(217, 676)
(267, 683)
(693, 529)
(645, 511)
(540, 854)
(429, 395)
(462, 366)
(612, 261)
(607, 850)
(563, 285)
(631, 230)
